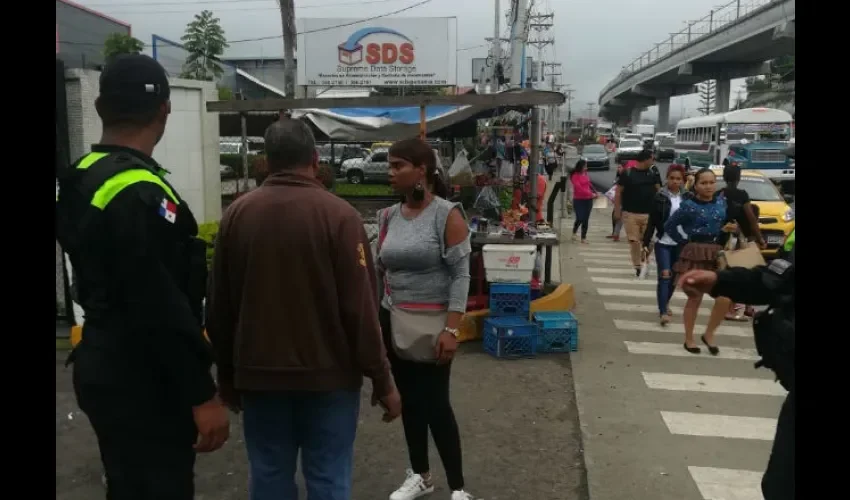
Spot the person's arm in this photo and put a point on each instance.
(652, 223)
(221, 311)
(757, 286)
(356, 284)
(456, 257)
(753, 223)
(154, 302)
(618, 196)
(674, 225)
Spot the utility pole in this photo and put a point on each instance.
(519, 37)
(287, 19)
(551, 115)
(497, 46)
(590, 107)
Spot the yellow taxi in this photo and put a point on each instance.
(776, 216)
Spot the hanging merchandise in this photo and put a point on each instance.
(460, 173)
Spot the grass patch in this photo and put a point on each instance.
(63, 344)
(362, 190)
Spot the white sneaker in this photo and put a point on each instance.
(414, 486)
(461, 495)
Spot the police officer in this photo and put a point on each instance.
(142, 369)
(774, 335)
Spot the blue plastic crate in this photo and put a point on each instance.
(510, 299)
(510, 337)
(558, 331)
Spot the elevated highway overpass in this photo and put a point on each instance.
(732, 41)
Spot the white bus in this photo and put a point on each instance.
(757, 137)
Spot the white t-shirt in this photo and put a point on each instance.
(675, 201)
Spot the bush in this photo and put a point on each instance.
(207, 232)
(327, 175)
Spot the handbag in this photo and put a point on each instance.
(416, 328)
(747, 255)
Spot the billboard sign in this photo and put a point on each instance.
(481, 67)
(390, 52)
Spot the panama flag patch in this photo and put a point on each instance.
(168, 210)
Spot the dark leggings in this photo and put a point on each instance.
(582, 209)
(425, 404)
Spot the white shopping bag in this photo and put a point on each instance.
(611, 193)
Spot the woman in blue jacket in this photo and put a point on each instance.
(698, 225)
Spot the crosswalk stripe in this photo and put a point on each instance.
(664, 349)
(648, 326)
(727, 484)
(709, 383)
(610, 262)
(625, 281)
(648, 308)
(627, 271)
(622, 292)
(725, 426)
(606, 254)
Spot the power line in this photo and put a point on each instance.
(212, 2)
(274, 37)
(238, 9)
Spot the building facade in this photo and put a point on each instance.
(81, 34)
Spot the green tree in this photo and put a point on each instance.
(205, 42)
(121, 43)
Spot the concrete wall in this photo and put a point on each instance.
(189, 148)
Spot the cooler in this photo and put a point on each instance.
(509, 263)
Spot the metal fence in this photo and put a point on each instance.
(717, 19)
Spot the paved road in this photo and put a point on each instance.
(659, 423)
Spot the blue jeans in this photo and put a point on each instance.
(321, 424)
(665, 257)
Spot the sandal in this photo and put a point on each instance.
(665, 319)
(692, 350)
(735, 317)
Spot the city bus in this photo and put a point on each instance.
(753, 138)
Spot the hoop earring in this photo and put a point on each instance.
(418, 192)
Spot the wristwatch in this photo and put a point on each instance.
(452, 331)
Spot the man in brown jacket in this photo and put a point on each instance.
(293, 321)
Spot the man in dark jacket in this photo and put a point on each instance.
(292, 317)
(142, 369)
(773, 284)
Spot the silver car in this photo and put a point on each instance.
(373, 168)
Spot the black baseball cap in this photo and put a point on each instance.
(133, 83)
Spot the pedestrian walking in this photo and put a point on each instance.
(551, 159)
(667, 202)
(775, 332)
(698, 225)
(142, 369)
(742, 212)
(423, 261)
(633, 201)
(293, 322)
(583, 196)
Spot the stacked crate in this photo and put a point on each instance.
(507, 332)
(558, 331)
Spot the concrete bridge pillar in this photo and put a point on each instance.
(722, 95)
(636, 115)
(663, 114)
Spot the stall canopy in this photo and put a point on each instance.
(364, 124)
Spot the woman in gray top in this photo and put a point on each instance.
(423, 264)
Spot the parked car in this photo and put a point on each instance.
(226, 172)
(597, 157)
(666, 149)
(372, 168)
(628, 150)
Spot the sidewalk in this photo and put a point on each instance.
(659, 423)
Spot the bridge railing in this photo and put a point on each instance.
(717, 19)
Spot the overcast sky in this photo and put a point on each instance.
(593, 39)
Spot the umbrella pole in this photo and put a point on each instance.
(422, 128)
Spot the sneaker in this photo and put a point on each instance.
(461, 495)
(414, 486)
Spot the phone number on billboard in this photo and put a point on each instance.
(360, 82)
